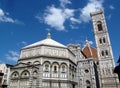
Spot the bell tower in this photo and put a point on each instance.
(104, 51)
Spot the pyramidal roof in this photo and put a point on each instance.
(48, 41)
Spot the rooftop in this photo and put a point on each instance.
(48, 41)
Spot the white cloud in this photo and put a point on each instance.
(56, 17)
(74, 20)
(4, 18)
(1, 12)
(92, 5)
(12, 56)
(67, 13)
(63, 3)
(111, 7)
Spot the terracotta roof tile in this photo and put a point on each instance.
(90, 52)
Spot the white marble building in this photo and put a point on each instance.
(49, 64)
(5, 69)
(46, 63)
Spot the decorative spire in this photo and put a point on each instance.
(87, 43)
(48, 35)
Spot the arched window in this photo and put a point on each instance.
(55, 68)
(25, 74)
(86, 70)
(106, 52)
(104, 41)
(46, 67)
(70, 66)
(99, 25)
(102, 53)
(100, 40)
(87, 82)
(36, 63)
(15, 75)
(63, 68)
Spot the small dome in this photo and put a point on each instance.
(89, 51)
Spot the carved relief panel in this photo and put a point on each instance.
(52, 51)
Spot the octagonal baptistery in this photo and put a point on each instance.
(46, 64)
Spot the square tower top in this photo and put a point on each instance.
(96, 13)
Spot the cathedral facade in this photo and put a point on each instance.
(49, 64)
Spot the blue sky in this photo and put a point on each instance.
(23, 22)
